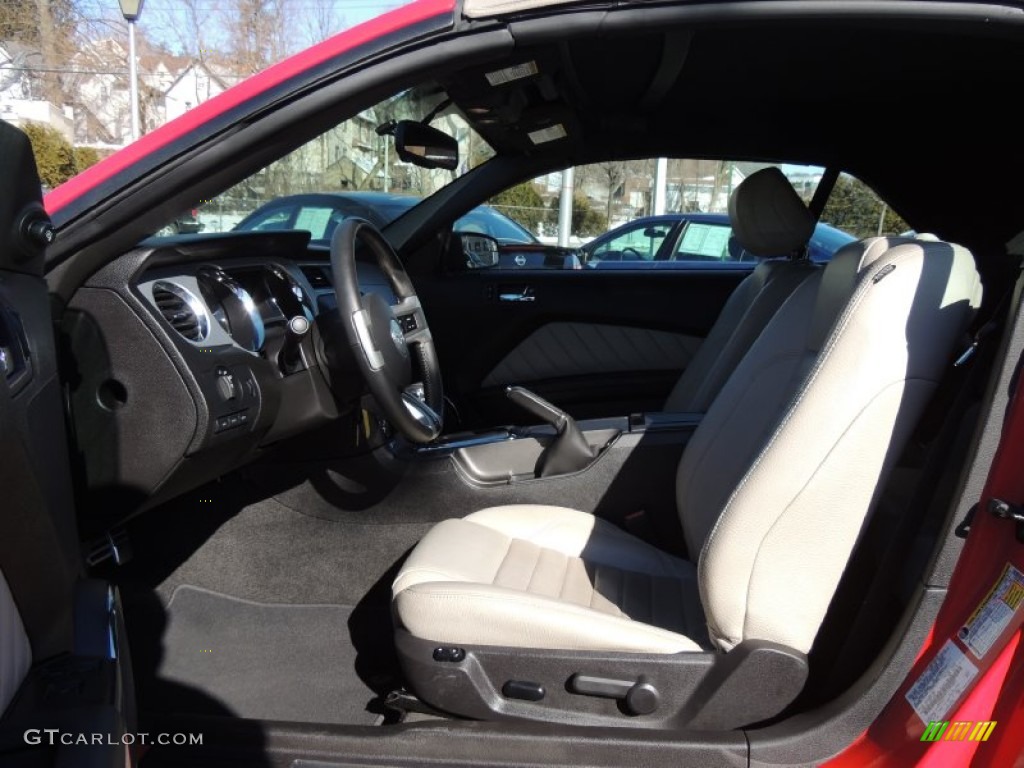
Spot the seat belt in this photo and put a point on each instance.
(822, 192)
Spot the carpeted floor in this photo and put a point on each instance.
(237, 604)
(264, 661)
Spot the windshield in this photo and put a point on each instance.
(349, 170)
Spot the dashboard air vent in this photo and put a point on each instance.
(182, 310)
(317, 277)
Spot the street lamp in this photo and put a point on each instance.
(131, 9)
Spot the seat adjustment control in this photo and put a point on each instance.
(449, 653)
(639, 696)
(523, 689)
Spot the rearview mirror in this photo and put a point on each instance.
(481, 250)
(425, 146)
(655, 232)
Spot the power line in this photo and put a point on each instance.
(120, 73)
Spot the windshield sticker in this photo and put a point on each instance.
(544, 135)
(994, 613)
(511, 74)
(314, 221)
(941, 684)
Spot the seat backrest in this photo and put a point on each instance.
(15, 652)
(768, 218)
(39, 554)
(777, 482)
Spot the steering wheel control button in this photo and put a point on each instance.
(407, 323)
(449, 654)
(398, 337)
(523, 689)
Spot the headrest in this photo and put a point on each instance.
(768, 217)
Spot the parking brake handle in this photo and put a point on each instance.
(569, 451)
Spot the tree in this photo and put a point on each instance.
(522, 203)
(261, 33)
(586, 222)
(854, 207)
(48, 26)
(85, 157)
(56, 159)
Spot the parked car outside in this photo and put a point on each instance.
(677, 239)
(320, 213)
(187, 223)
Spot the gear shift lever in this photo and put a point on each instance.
(569, 452)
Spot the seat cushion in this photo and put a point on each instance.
(548, 577)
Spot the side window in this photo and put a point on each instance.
(637, 242)
(855, 209)
(648, 214)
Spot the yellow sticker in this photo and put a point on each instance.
(994, 613)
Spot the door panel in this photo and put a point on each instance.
(558, 349)
(595, 343)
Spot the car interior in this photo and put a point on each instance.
(375, 502)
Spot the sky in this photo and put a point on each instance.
(166, 22)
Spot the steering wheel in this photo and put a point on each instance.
(386, 338)
(635, 254)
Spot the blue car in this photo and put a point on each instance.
(320, 212)
(678, 239)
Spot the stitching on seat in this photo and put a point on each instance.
(508, 549)
(814, 473)
(565, 577)
(521, 598)
(536, 567)
(824, 355)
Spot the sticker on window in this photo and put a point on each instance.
(544, 135)
(314, 221)
(511, 74)
(708, 240)
(941, 684)
(995, 612)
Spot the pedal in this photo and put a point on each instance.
(114, 545)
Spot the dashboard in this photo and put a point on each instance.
(190, 356)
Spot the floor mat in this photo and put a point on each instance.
(260, 660)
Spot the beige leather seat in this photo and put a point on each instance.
(773, 489)
(768, 218)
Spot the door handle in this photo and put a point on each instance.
(525, 295)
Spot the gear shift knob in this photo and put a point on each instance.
(569, 452)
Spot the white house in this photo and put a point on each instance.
(20, 93)
(193, 85)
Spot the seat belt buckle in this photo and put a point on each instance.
(114, 545)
